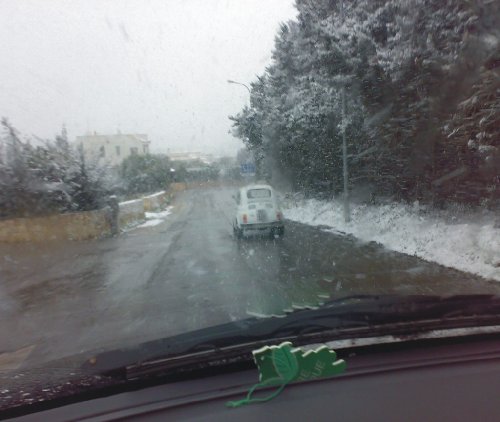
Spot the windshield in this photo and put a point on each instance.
(258, 193)
(132, 131)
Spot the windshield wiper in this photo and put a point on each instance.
(349, 317)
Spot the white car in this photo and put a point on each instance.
(258, 212)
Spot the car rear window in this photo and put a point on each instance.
(258, 193)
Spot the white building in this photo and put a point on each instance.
(113, 149)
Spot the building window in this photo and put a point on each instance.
(102, 152)
(117, 149)
(134, 151)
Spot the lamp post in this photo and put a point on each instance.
(256, 161)
(347, 211)
(229, 81)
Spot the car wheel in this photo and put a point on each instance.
(238, 233)
(277, 232)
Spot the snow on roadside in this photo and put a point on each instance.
(154, 195)
(155, 218)
(131, 201)
(467, 241)
(160, 215)
(150, 223)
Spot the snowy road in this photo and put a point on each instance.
(187, 272)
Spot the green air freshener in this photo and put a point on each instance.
(283, 364)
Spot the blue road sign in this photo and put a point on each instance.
(248, 168)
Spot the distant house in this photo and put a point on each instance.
(113, 149)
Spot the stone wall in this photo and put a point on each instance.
(177, 187)
(155, 202)
(131, 211)
(83, 225)
(72, 226)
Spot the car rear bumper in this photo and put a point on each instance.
(261, 227)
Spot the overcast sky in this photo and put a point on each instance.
(158, 67)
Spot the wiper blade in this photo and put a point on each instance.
(361, 316)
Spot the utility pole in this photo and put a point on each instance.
(347, 211)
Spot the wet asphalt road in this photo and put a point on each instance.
(188, 273)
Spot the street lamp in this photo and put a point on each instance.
(229, 81)
(347, 211)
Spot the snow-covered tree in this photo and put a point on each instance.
(49, 178)
(146, 173)
(407, 67)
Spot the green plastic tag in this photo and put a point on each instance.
(283, 364)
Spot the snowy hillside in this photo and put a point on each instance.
(468, 241)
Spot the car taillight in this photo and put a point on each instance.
(279, 216)
(245, 219)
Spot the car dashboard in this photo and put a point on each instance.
(441, 379)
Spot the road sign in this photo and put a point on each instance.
(248, 168)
